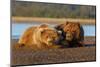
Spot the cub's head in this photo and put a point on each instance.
(49, 36)
(70, 30)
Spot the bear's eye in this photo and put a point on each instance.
(66, 30)
(47, 36)
(42, 32)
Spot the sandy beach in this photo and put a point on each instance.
(51, 20)
(27, 56)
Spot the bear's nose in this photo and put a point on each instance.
(56, 41)
(53, 38)
(68, 35)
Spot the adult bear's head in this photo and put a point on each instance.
(71, 31)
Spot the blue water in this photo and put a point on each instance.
(18, 29)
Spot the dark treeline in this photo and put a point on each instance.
(51, 10)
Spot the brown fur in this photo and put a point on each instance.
(39, 37)
(72, 32)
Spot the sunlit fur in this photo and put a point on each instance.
(39, 36)
(72, 31)
(49, 36)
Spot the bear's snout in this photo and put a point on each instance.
(56, 42)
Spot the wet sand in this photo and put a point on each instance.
(23, 56)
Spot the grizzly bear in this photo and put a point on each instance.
(39, 37)
(72, 34)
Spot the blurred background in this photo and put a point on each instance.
(26, 14)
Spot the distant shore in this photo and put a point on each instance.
(51, 20)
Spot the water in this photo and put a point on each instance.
(18, 29)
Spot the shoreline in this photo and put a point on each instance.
(51, 20)
(88, 40)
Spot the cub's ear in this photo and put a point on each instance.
(41, 30)
(44, 26)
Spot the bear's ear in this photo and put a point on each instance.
(67, 22)
(41, 30)
(78, 24)
(43, 26)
